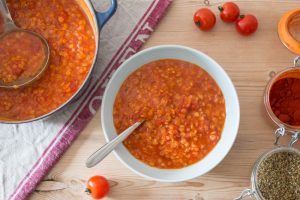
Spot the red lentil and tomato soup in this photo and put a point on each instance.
(72, 49)
(183, 108)
(22, 55)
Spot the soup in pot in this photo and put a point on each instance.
(72, 49)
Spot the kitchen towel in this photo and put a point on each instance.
(29, 151)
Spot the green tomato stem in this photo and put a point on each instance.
(220, 8)
(88, 191)
(198, 24)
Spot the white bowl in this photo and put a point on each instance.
(231, 122)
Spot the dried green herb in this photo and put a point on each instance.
(278, 176)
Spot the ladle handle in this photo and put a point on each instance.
(8, 21)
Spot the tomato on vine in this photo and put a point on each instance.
(204, 19)
(229, 12)
(97, 187)
(246, 24)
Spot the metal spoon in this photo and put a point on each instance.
(101, 153)
(10, 27)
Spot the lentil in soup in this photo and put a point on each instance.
(22, 55)
(183, 108)
(72, 49)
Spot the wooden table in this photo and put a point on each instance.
(247, 60)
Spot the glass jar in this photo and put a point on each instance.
(289, 30)
(290, 72)
(254, 191)
(289, 34)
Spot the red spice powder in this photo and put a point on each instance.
(285, 100)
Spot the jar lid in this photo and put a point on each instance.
(289, 30)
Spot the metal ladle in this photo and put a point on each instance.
(10, 27)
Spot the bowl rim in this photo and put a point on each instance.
(234, 129)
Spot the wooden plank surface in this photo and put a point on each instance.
(247, 60)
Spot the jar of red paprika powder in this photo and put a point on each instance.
(282, 94)
(282, 98)
(282, 102)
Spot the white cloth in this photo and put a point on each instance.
(22, 145)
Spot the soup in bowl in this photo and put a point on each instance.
(190, 111)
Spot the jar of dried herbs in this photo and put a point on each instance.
(276, 176)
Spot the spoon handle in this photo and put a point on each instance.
(101, 153)
(8, 21)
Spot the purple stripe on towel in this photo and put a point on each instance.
(85, 111)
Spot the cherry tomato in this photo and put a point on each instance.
(229, 12)
(97, 187)
(205, 19)
(246, 24)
